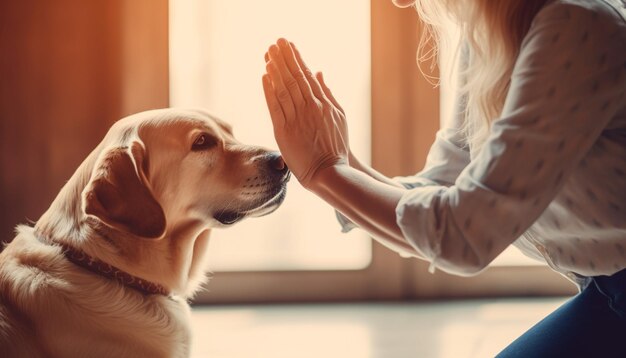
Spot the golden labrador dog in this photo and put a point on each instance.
(108, 269)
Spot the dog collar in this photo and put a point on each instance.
(102, 268)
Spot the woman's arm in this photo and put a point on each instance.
(366, 201)
(449, 153)
(310, 129)
(371, 172)
(551, 119)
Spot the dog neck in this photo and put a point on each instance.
(176, 262)
(102, 268)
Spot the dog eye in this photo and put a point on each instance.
(204, 141)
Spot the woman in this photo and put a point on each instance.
(536, 157)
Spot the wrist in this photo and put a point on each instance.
(325, 177)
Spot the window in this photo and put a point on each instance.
(216, 52)
(367, 53)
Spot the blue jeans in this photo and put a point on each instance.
(591, 324)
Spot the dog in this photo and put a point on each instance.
(107, 270)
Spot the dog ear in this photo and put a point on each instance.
(118, 195)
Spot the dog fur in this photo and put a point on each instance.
(145, 201)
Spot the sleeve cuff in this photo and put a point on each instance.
(408, 182)
(414, 225)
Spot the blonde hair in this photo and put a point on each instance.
(493, 31)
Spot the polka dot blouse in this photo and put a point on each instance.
(551, 178)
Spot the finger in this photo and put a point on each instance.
(281, 92)
(290, 82)
(267, 57)
(327, 92)
(315, 86)
(276, 110)
(297, 73)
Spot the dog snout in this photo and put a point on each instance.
(277, 164)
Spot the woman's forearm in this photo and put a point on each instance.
(356, 164)
(366, 201)
(311, 132)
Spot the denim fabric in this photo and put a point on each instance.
(614, 288)
(591, 324)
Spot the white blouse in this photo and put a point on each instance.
(551, 178)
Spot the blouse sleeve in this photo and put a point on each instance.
(447, 156)
(567, 83)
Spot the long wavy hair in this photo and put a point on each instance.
(492, 31)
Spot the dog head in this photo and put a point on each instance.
(165, 169)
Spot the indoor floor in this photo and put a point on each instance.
(450, 329)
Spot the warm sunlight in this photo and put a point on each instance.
(216, 54)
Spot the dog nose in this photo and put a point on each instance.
(277, 163)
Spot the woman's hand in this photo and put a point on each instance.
(309, 125)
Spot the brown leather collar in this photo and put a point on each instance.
(101, 268)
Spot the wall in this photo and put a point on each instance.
(68, 70)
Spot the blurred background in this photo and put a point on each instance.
(71, 68)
